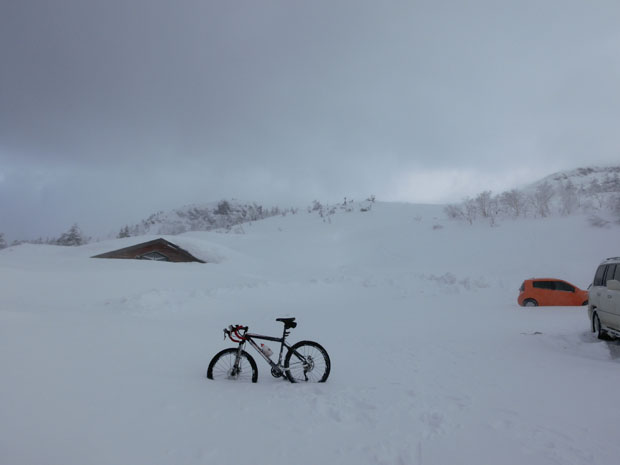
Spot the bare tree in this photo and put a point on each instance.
(515, 202)
(615, 206)
(541, 199)
(484, 203)
(454, 212)
(569, 200)
(470, 210)
(595, 191)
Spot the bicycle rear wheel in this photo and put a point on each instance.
(307, 362)
(223, 366)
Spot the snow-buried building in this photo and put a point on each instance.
(158, 249)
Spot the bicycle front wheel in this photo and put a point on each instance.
(307, 362)
(223, 366)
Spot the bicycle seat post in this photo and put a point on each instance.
(288, 323)
(285, 333)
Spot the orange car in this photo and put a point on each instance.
(550, 291)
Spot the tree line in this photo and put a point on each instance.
(565, 199)
(72, 237)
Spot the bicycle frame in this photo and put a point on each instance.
(249, 337)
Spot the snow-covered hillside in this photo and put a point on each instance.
(606, 177)
(103, 361)
(224, 214)
(592, 191)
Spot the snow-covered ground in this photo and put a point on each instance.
(433, 362)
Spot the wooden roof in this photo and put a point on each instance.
(158, 249)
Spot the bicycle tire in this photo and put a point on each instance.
(221, 366)
(311, 363)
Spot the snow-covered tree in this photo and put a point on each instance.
(515, 202)
(3, 244)
(454, 212)
(615, 206)
(223, 208)
(483, 203)
(541, 199)
(470, 210)
(72, 237)
(611, 183)
(124, 232)
(569, 201)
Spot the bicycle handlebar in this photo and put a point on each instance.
(234, 330)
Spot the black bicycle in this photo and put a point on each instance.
(305, 362)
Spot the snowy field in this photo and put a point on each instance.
(433, 362)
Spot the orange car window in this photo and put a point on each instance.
(562, 286)
(550, 285)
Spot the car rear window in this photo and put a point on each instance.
(562, 286)
(544, 284)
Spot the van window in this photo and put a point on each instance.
(562, 286)
(617, 274)
(598, 277)
(611, 269)
(544, 284)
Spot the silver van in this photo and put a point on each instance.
(604, 299)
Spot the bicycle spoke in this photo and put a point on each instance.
(225, 367)
(308, 363)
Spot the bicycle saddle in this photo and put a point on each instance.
(288, 322)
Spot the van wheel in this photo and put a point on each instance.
(530, 303)
(600, 332)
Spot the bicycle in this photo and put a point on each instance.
(305, 361)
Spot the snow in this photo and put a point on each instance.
(433, 362)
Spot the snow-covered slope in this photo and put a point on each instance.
(203, 217)
(433, 362)
(606, 177)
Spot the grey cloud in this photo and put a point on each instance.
(319, 97)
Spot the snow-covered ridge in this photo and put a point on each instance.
(588, 189)
(224, 214)
(593, 191)
(229, 216)
(605, 178)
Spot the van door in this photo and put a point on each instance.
(595, 292)
(613, 298)
(604, 303)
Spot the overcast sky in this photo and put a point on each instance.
(111, 110)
